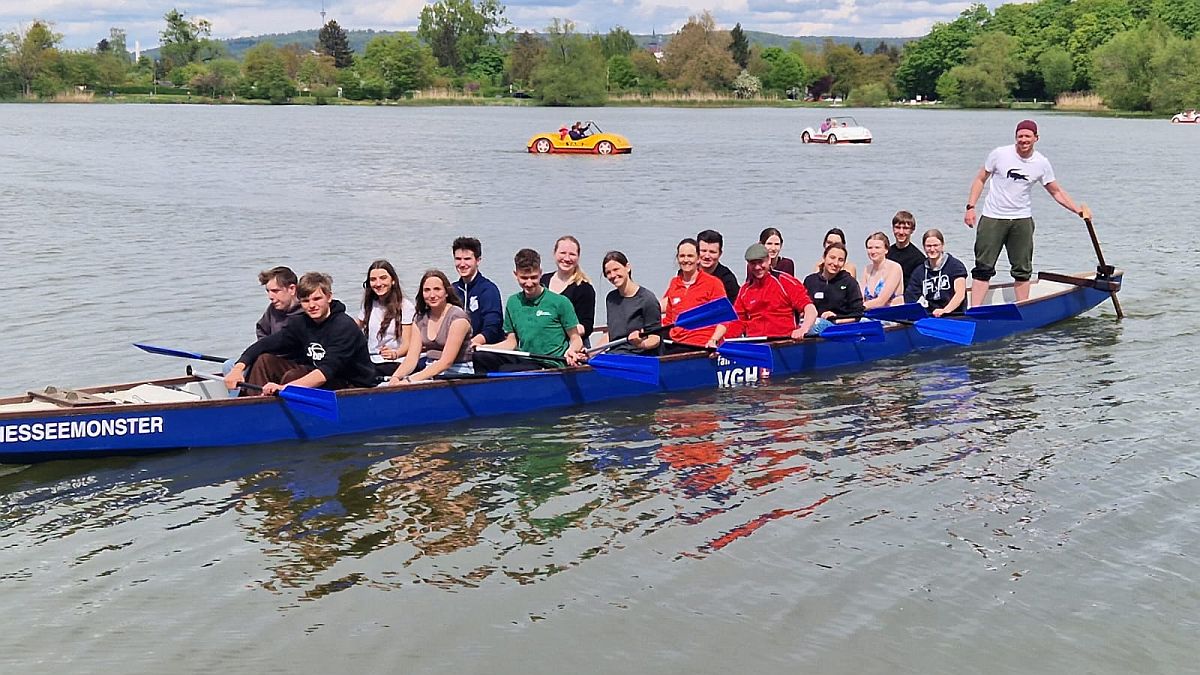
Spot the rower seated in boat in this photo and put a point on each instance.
(633, 311)
(768, 303)
(941, 282)
(442, 330)
(333, 348)
(537, 322)
(833, 290)
(689, 288)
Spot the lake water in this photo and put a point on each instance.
(1027, 506)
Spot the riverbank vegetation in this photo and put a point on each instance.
(1136, 55)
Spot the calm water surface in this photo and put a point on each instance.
(1027, 506)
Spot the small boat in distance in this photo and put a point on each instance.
(1186, 117)
(580, 139)
(837, 131)
(195, 411)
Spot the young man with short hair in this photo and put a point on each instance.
(710, 244)
(481, 297)
(768, 303)
(904, 252)
(280, 284)
(1006, 219)
(334, 349)
(536, 320)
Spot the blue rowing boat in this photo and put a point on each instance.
(194, 412)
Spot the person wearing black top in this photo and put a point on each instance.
(904, 252)
(633, 311)
(711, 242)
(835, 293)
(334, 349)
(570, 282)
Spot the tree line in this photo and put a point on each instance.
(1136, 54)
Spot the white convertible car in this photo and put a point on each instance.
(1186, 117)
(835, 130)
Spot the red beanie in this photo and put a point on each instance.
(1027, 124)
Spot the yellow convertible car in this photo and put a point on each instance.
(581, 137)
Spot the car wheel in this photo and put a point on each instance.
(542, 146)
(832, 140)
(604, 148)
(805, 138)
(1174, 120)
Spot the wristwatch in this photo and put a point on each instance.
(970, 206)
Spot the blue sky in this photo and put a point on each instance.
(84, 22)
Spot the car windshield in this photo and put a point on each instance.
(844, 121)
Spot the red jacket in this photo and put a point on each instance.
(681, 298)
(768, 306)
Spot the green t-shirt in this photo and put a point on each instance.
(541, 324)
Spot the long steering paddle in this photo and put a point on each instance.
(624, 366)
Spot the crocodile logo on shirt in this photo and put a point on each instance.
(1016, 175)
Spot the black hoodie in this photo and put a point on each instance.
(840, 295)
(336, 346)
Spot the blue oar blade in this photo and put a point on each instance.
(319, 402)
(748, 354)
(166, 351)
(906, 312)
(627, 367)
(958, 332)
(709, 314)
(871, 331)
(1007, 312)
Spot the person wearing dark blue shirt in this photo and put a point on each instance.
(481, 297)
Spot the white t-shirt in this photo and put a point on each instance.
(407, 311)
(1012, 181)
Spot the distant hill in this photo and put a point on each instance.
(359, 39)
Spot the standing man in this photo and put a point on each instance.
(711, 242)
(768, 303)
(903, 252)
(333, 347)
(481, 297)
(536, 320)
(1006, 219)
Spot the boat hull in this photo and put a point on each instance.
(127, 429)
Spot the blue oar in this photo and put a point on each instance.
(912, 314)
(748, 354)
(319, 402)
(1006, 312)
(167, 351)
(624, 366)
(871, 331)
(710, 313)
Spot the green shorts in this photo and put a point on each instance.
(1014, 234)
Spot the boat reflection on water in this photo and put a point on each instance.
(544, 495)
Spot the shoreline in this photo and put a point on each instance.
(477, 101)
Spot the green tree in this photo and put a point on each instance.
(1057, 70)
(527, 52)
(572, 71)
(32, 54)
(457, 29)
(647, 70)
(697, 58)
(870, 95)
(621, 74)
(399, 62)
(185, 41)
(317, 70)
(618, 42)
(264, 74)
(216, 78)
(785, 70)
(333, 41)
(739, 46)
(845, 65)
(924, 60)
(1175, 75)
(1182, 16)
(1122, 66)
